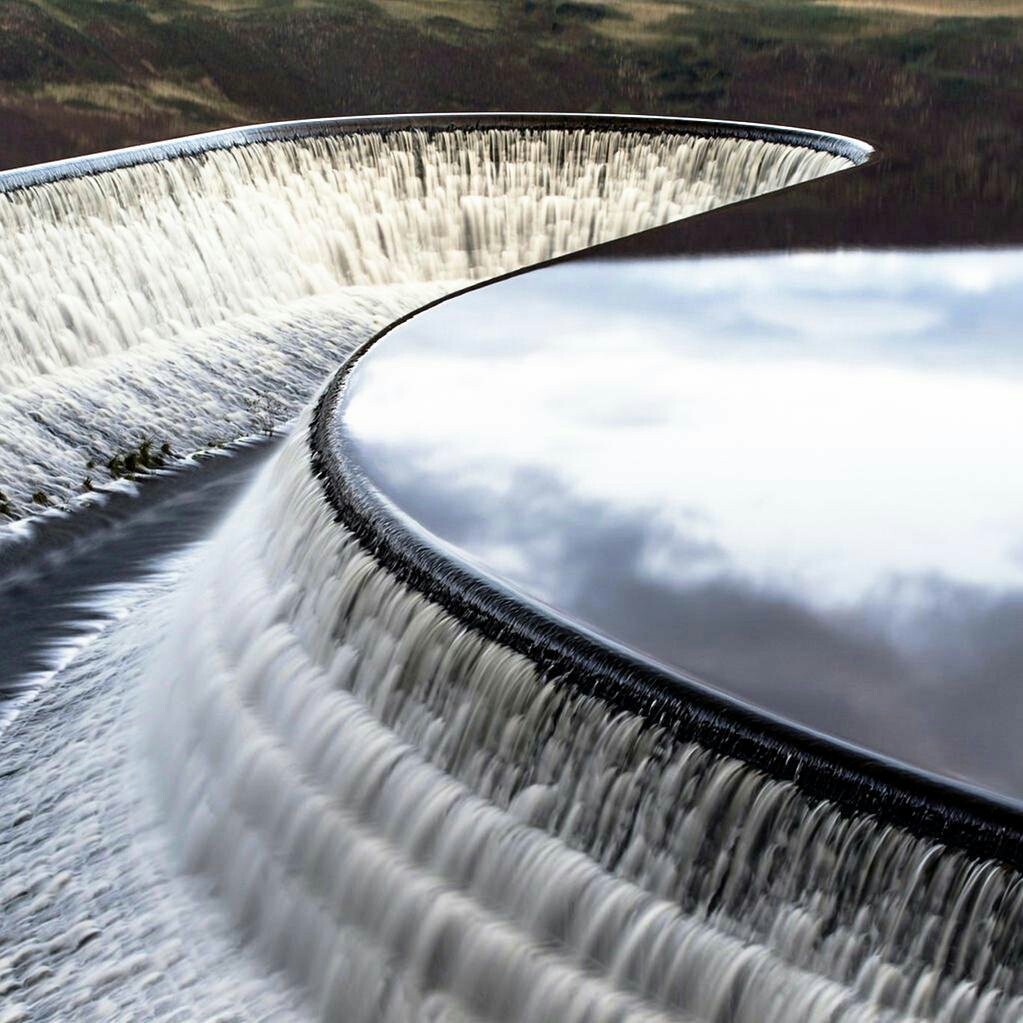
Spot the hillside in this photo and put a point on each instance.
(933, 87)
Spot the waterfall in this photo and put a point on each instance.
(154, 299)
(92, 266)
(417, 823)
(412, 819)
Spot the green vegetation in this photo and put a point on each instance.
(131, 464)
(919, 78)
(135, 461)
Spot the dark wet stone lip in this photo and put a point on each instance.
(854, 150)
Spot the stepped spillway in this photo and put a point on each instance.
(414, 795)
(420, 820)
(175, 293)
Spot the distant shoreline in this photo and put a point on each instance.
(936, 8)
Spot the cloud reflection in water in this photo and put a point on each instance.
(797, 476)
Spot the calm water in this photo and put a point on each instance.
(795, 476)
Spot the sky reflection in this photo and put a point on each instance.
(795, 475)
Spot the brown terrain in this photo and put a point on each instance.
(938, 92)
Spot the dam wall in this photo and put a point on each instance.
(419, 795)
(418, 818)
(412, 795)
(185, 293)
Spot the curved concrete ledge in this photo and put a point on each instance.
(921, 802)
(854, 150)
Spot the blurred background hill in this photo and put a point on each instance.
(931, 82)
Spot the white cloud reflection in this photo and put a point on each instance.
(836, 435)
(818, 463)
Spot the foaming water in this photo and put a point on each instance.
(166, 299)
(194, 241)
(95, 922)
(416, 824)
(410, 821)
(221, 384)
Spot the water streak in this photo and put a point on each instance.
(153, 300)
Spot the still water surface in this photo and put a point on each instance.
(795, 476)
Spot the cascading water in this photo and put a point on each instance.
(416, 823)
(162, 300)
(411, 819)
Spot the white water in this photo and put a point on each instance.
(399, 815)
(416, 826)
(95, 924)
(153, 301)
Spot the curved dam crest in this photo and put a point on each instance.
(136, 292)
(415, 819)
(748, 468)
(460, 827)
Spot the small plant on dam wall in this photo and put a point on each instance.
(136, 460)
(131, 464)
(267, 411)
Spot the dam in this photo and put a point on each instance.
(870, 595)
(319, 766)
(261, 262)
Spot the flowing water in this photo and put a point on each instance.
(167, 300)
(415, 823)
(657, 406)
(408, 820)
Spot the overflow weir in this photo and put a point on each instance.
(243, 265)
(415, 792)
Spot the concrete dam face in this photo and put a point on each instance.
(409, 793)
(237, 272)
(418, 821)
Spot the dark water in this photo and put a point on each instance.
(50, 582)
(796, 476)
